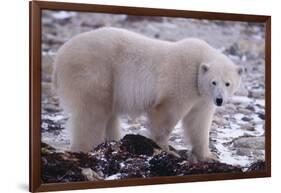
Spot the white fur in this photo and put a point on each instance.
(107, 72)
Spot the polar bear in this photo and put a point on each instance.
(107, 72)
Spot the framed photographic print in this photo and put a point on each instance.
(125, 96)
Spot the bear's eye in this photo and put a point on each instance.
(227, 84)
(214, 83)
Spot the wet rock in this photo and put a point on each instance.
(139, 145)
(135, 168)
(59, 167)
(165, 164)
(257, 166)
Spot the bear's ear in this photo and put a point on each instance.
(204, 68)
(240, 70)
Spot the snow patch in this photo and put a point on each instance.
(114, 177)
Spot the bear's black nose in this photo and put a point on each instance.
(219, 101)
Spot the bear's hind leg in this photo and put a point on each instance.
(196, 125)
(87, 128)
(112, 129)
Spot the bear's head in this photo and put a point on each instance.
(219, 79)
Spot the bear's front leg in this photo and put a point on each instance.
(162, 121)
(196, 125)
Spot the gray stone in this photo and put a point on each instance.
(250, 152)
(248, 127)
(250, 142)
(246, 119)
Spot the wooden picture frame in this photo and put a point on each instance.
(36, 8)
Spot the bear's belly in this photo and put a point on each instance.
(133, 98)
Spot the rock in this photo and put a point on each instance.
(50, 125)
(250, 108)
(51, 108)
(257, 166)
(254, 154)
(90, 174)
(243, 151)
(248, 127)
(164, 164)
(59, 167)
(247, 119)
(250, 142)
(139, 145)
(261, 116)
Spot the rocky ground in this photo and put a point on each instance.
(237, 134)
(134, 156)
